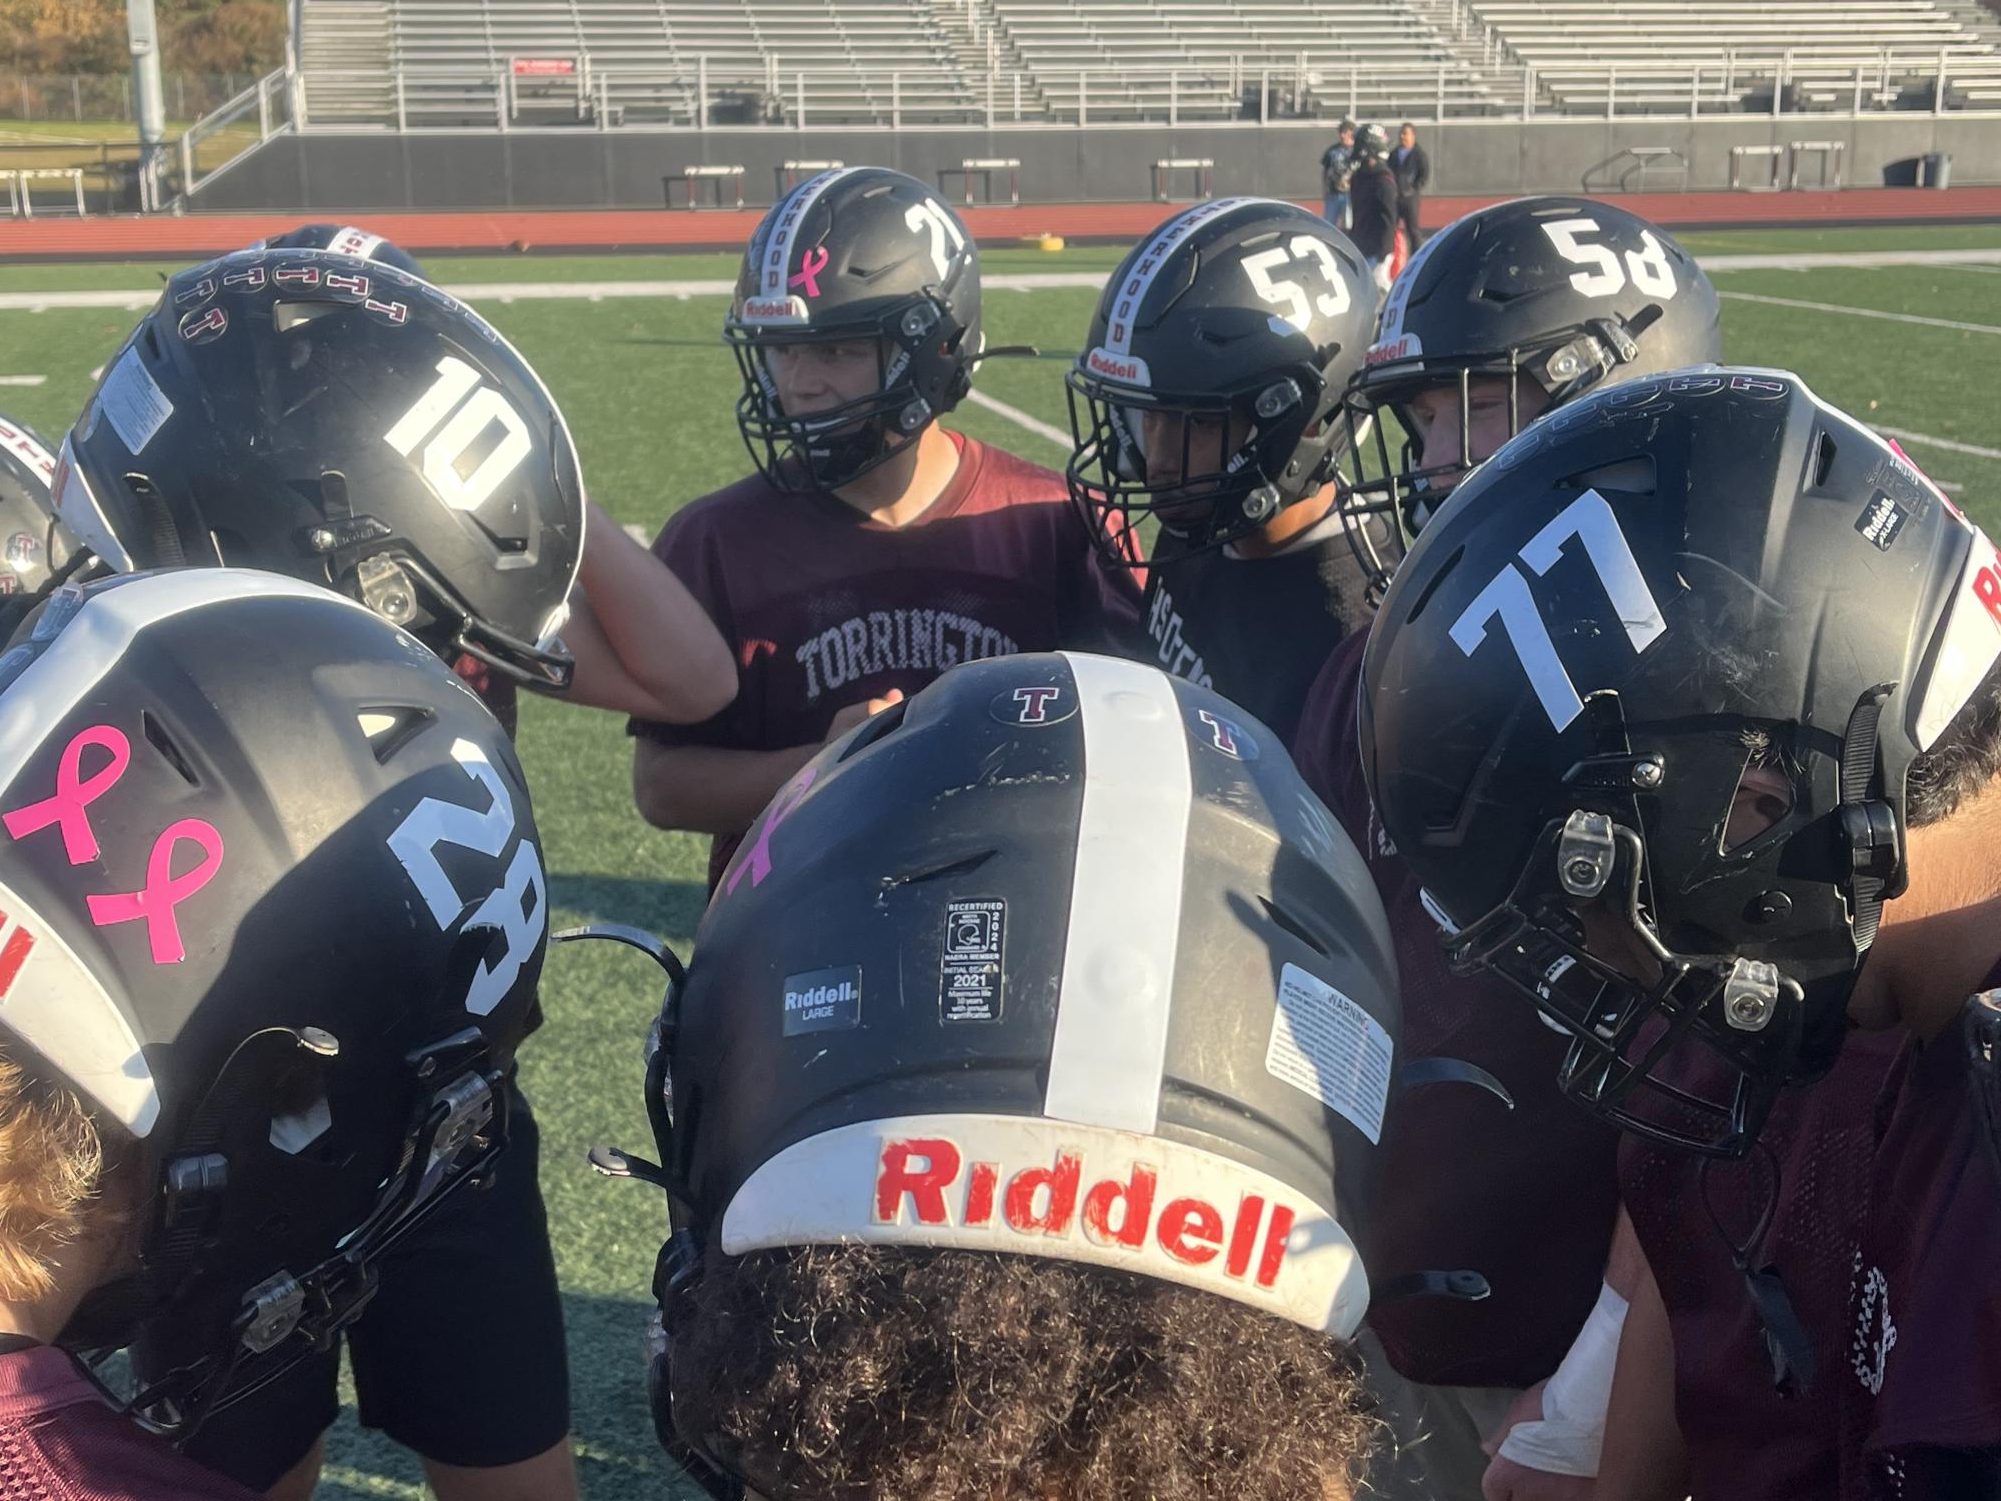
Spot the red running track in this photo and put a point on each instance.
(681, 229)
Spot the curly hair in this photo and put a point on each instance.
(51, 1165)
(851, 1372)
(1963, 761)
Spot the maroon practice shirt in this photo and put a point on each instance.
(60, 1441)
(1525, 1197)
(825, 607)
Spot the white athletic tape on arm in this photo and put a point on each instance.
(1571, 1433)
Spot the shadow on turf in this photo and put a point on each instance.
(667, 907)
(617, 1458)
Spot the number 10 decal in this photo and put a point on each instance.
(463, 426)
(1590, 520)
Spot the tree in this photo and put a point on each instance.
(89, 36)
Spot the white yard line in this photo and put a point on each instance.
(1817, 260)
(1023, 419)
(23, 380)
(1864, 312)
(1950, 445)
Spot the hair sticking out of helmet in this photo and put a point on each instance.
(856, 325)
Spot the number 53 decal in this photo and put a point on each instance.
(1590, 520)
(1290, 294)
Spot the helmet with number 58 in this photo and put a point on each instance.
(342, 422)
(1511, 312)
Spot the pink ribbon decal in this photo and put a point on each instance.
(164, 891)
(811, 264)
(758, 859)
(75, 793)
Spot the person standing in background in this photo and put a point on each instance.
(1413, 173)
(1372, 201)
(1337, 165)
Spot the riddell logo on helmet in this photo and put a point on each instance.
(1397, 349)
(773, 310)
(931, 1179)
(1129, 369)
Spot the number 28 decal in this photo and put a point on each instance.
(1590, 520)
(1648, 267)
(506, 907)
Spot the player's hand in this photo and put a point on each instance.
(1507, 1481)
(854, 714)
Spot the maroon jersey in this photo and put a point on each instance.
(1746, 1436)
(60, 1441)
(825, 607)
(1921, 1377)
(1525, 1197)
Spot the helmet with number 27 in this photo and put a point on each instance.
(342, 422)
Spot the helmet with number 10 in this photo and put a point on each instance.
(1508, 313)
(342, 422)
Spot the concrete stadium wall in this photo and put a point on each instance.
(588, 169)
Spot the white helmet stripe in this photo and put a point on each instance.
(778, 249)
(1148, 263)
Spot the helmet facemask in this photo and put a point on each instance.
(1207, 470)
(826, 449)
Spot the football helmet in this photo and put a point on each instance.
(961, 1037)
(343, 422)
(32, 545)
(1209, 396)
(1638, 709)
(274, 908)
(1569, 293)
(854, 255)
(346, 239)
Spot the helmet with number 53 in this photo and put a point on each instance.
(339, 421)
(275, 913)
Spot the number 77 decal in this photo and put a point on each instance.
(1590, 520)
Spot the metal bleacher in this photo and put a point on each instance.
(1718, 55)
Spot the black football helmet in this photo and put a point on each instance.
(346, 239)
(1229, 334)
(857, 254)
(32, 545)
(1372, 141)
(958, 1008)
(274, 908)
(1569, 293)
(342, 422)
(1641, 611)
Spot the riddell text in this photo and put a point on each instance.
(1118, 1212)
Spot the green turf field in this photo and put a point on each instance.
(648, 386)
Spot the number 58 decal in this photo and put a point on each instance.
(1590, 520)
(1649, 267)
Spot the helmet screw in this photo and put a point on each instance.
(1769, 907)
(1260, 503)
(322, 539)
(1647, 774)
(313, 1039)
(1750, 1012)
(1581, 872)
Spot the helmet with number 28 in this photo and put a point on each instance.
(276, 915)
(342, 422)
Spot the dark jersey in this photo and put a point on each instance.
(1921, 1384)
(1373, 196)
(61, 1441)
(824, 607)
(1257, 630)
(1526, 1197)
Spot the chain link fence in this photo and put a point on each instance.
(99, 97)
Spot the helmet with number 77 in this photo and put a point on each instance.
(341, 422)
(1556, 297)
(275, 914)
(1208, 395)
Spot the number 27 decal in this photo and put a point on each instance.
(1590, 520)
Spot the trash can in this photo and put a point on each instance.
(1935, 169)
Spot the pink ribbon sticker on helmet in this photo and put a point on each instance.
(757, 859)
(811, 264)
(75, 792)
(164, 891)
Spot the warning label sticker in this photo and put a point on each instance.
(969, 972)
(1325, 1044)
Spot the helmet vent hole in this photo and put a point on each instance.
(877, 727)
(390, 729)
(1444, 572)
(157, 736)
(1295, 927)
(1823, 459)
